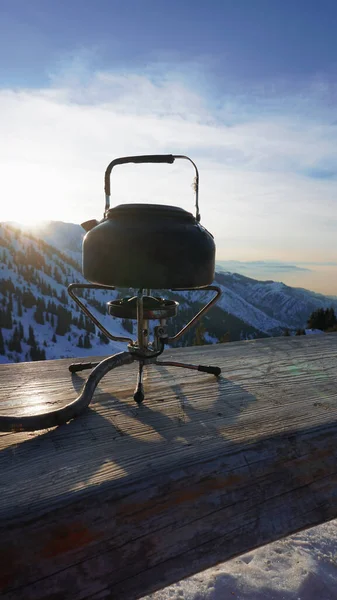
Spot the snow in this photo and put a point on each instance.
(313, 331)
(233, 303)
(300, 567)
(210, 339)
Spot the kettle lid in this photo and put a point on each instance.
(150, 211)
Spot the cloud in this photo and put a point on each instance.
(321, 173)
(258, 194)
(319, 277)
(261, 266)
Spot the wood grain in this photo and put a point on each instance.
(126, 499)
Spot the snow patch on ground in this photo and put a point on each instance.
(313, 331)
(300, 567)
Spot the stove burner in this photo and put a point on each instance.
(153, 308)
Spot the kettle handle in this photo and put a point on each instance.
(149, 158)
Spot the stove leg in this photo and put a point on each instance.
(168, 363)
(138, 396)
(75, 367)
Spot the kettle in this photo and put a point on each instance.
(150, 246)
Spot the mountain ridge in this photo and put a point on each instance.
(34, 275)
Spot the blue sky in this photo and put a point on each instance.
(246, 88)
(244, 42)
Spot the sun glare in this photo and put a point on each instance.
(25, 221)
(29, 221)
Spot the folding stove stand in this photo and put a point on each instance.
(144, 308)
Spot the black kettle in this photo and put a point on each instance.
(148, 245)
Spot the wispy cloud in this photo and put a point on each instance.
(321, 173)
(319, 277)
(261, 193)
(263, 266)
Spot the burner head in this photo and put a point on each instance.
(149, 246)
(153, 308)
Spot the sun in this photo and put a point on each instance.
(29, 202)
(26, 220)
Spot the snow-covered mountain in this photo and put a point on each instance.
(265, 305)
(285, 305)
(67, 237)
(38, 320)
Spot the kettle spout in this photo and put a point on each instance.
(88, 225)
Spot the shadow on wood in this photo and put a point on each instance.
(127, 499)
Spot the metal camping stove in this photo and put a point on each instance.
(144, 308)
(144, 247)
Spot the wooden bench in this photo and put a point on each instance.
(126, 500)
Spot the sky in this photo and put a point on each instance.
(247, 89)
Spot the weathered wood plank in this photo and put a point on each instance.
(128, 499)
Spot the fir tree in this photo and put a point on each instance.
(63, 298)
(225, 338)
(103, 338)
(19, 307)
(89, 326)
(86, 341)
(21, 331)
(38, 315)
(199, 338)
(8, 318)
(2, 343)
(10, 303)
(28, 299)
(37, 354)
(127, 325)
(63, 321)
(57, 275)
(31, 337)
(14, 343)
(322, 319)
(330, 319)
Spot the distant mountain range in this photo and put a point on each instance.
(38, 320)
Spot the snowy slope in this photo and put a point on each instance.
(275, 299)
(66, 237)
(61, 235)
(232, 302)
(30, 268)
